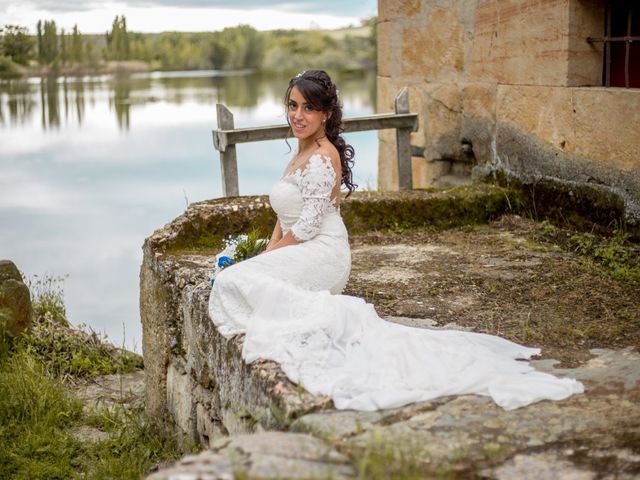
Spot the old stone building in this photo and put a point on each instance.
(517, 86)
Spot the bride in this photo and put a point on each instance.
(287, 301)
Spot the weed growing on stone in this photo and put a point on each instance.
(48, 298)
(382, 459)
(283, 418)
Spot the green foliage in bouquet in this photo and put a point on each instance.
(250, 246)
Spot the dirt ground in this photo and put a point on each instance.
(513, 277)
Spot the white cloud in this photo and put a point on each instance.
(156, 18)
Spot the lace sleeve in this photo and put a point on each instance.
(316, 182)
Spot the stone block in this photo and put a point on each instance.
(551, 132)
(544, 112)
(586, 19)
(563, 118)
(16, 311)
(157, 312)
(398, 9)
(387, 90)
(419, 171)
(443, 111)
(434, 49)
(207, 428)
(180, 402)
(387, 49)
(606, 126)
(479, 100)
(264, 455)
(387, 165)
(521, 42)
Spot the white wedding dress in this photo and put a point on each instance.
(288, 304)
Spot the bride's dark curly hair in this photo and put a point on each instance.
(321, 93)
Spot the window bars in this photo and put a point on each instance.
(621, 44)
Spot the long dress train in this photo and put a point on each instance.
(288, 304)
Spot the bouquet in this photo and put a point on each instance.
(237, 248)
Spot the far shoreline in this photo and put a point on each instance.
(122, 67)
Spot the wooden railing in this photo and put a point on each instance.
(226, 137)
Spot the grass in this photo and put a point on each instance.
(38, 411)
(404, 459)
(612, 253)
(381, 459)
(65, 350)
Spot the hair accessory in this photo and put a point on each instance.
(301, 73)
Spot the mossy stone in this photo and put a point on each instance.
(15, 300)
(8, 270)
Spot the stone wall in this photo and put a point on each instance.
(511, 86)
(196, 378)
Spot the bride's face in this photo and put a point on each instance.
(306, 122)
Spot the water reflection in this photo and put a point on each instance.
(49, 93)
(89, 167)
(19, 99)
(16, 105)
(120, 101)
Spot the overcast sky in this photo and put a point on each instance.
(93, 16)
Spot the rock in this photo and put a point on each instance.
(262, 455)
(541, 465)
(85, 433)
(107, 391)
(16, 311)
(9, 271)
(204, 466)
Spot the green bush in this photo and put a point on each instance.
(64, 349)
(8, 69)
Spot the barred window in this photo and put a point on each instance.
(621, 44)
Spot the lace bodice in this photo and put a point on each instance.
(303, 200)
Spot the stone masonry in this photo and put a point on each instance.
(478, 273)
(195, 375)
(508, 86)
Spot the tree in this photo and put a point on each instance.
(77, 48)
(49, 51)
(64, 54)
(118, 39)
(219, 53)
(16, 43)
(39, 46)
(244, 45)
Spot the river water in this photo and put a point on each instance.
(90, 167)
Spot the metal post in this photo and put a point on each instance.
(228, 162)
(403, 143)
